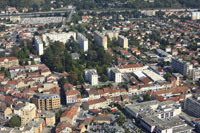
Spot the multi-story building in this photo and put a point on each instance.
(39, 45)
(61, 37)
(48, 116)
(95, 104)
(7, 62)
(111, 34)
(192, 105)
(47, 101)
(38, 125)
(100, 39)
(115, 75)
(195, 15)
(181, 66)
(91, 76)
(27, 113)
(83, 42)
(72, 96)
(195, 74)
(123, 41)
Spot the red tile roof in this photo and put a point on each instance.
(8, 58)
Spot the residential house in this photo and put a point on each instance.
(8, 62)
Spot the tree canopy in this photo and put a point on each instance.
(15, 121)
(58, 58)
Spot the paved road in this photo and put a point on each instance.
(71, 14)
(129, 121)
(38, 13)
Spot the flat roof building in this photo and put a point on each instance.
(46, 101)
(91, 76)
(115, 75)
(158, 116)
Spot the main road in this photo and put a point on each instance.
(63, 10)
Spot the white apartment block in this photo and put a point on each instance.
(61, 37)
(91, 76)
(111, 34)
(195, 15)
(195, 74)
(100, 39)
(123, 41)
(83, 42)
(39, 45)
(115, 75)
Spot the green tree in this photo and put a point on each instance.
(167, 75)
(147, 97)
(15, 121)
(62, 82)
(73, 78)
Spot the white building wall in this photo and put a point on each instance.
(61, 37)
(91, 76)
(195, 15)
(83, 42)
(39, 45)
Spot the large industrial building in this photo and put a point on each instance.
(159, 117)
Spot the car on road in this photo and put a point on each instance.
(134, 121)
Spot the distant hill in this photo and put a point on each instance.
(100, 4)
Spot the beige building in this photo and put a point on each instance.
(195, 15)
(15, 18)
(38, 125)
(48, 116)
(27, 113)
(95, 104)
(47, 101)
(9, 62)
(111, 34)
(123, 41)
(4, 111)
